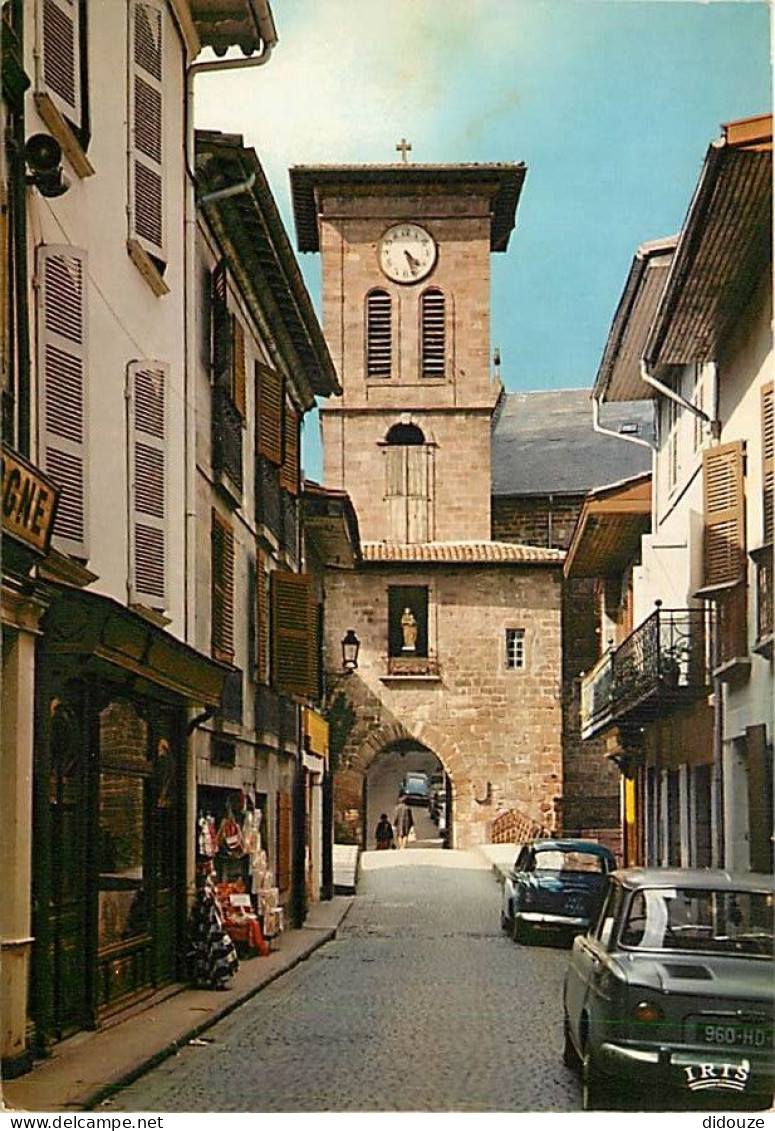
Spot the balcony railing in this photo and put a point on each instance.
(663, 663)
(227, 436)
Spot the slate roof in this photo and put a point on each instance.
(461, 553)
(544, 443)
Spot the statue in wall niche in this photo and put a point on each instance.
(409, 631)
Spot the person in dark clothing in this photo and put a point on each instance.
(403, 821)
(383, 833)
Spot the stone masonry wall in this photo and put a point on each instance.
(497, 731)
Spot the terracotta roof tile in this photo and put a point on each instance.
(456, 553)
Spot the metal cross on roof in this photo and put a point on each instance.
(403, 148)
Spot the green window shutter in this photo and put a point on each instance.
(293, 635)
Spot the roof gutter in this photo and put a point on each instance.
(598, 427)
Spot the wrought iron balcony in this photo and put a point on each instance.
(664, 663)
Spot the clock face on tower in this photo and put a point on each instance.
(407, 253)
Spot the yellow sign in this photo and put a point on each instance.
(29, 502)
(315, 733)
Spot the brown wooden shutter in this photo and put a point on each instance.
(283, 840)
(724, 503)
(768, 459)
(293, 634)
(61, 56)
(146, 127)
(222, 589)
(262, 610)
(238, 366)
(289, 472)
(63, 388)
(270, 400)
(221, 325)
(147, 390)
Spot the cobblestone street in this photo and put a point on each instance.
(420, 1004)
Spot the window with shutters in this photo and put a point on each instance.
(269, 506)
(62, 86)
(270, 421)
(146, 129)
(433, 345)
(724, 515)
(763, 555)
(379, 334)
(147, 392)
(408, 484)
(228, 373)
(63, 385)
(293, 650)
(290, 471)
(222, 591)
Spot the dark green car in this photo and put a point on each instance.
(672, 989)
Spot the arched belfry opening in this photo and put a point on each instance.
(405, 435)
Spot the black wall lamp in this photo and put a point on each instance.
(43, 156)
(350, 648)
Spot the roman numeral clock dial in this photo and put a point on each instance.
(407, 253)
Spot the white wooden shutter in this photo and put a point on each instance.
(60, 56)
(146, 119)
(62, 379)
(147, 395)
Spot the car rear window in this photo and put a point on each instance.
(553, 860)
(715, 922)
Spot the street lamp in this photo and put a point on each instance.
(350, 648)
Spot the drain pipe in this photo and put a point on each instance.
(598, 427)
(671, 394)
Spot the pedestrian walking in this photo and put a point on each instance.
(383, 834)
(403, 821)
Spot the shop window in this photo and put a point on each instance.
(379, 334)
(223, 753)
(515, 648)
(407, 621)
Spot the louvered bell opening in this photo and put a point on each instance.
(64, 297)
(433, 336)
(378, 336)
(147, 120)
(148, 39)
(149, 480)
(148, 204)
(149, 560)
(59, 53)
(67, 473)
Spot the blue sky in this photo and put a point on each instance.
(610, 103)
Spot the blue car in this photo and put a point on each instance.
(416, 788)
(555, 885)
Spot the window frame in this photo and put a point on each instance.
(376, 369)
(425, 318)
(516, 636)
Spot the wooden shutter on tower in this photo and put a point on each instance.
(293, 634)
(146, 122)
(270, 400)
(433, 333)
(289, 472)
(238, 366)
(283, 840)
(418, 493)
(222, 589)
(724, 504)
(379, 334)
(147, 394)
(768, 459)
(60, 49)
(262, 615)
(63, 384)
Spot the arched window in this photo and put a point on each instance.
(408, 484)
(379, 334)
(432, 333)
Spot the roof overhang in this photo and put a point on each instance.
(331, 525)
(249, 227)
(460, 553)
(609, 528)
(221, 24)
(618, 378)
(724, 249)
(501, 183)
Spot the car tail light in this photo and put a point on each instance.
(647, 1011)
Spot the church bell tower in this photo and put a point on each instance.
(405, 253)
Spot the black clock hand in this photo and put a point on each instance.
(413, 263)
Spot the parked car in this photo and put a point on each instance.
(672, 988)
(555, 885)
(415, 788)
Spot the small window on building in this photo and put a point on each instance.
(379, 334)
(432, 333)
(408, 620)
(515, 648)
